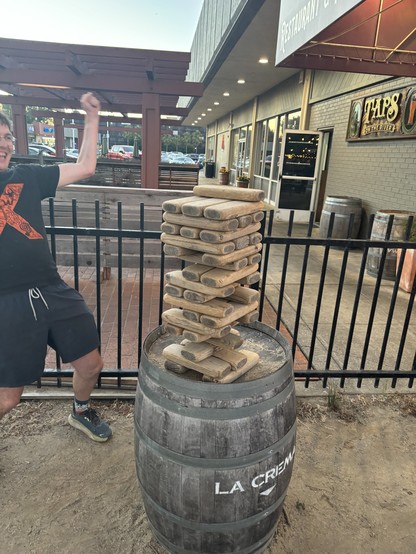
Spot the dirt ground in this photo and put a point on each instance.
(352, 491)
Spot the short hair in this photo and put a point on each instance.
(4, 120)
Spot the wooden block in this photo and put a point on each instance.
(222, 260)
(244, 295)
(250, 317)
(241, 242)
(201, 223)
(197, 259)
(175, 205)
(233, 208)
(191, 315)
(190, 232)
(177, 251)
(234, 193)
(252, 360)
(258, 216)
(177, 292)
(219, 277)
(196, 351)
(197, 297)
(232, 340)
(226, 236)
(176, 278)
(175, 317)
(245, 220)
(170, 228)
(176, 368)
(198, 245)
(194, 337)
(211, 367)
(255, 238)
(235, 358)
(250, 279)
(215, 307)
(195, 271)
(172, 330)
(254, 259)
(240, 310)
(196, 207)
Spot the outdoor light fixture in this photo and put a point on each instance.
(263, 60)
(241, 81)
(41, 86)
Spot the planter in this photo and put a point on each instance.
(224, 178)
(242, 184)
(408, 270)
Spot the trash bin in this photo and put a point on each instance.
(210, 169)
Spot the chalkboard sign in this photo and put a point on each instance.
(300, 154)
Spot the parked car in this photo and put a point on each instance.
(182, 160)
(120, 152)
(47, 150)
(71, 153)
(33, 151)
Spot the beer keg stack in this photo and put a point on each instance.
(216, 232)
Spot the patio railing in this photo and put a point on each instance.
(347, 325)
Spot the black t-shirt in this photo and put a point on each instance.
(25, 258)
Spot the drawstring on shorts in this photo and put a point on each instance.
(35, 294)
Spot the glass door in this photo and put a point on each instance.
(298, 170)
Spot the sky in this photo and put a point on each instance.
(146, 24)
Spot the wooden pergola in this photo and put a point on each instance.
(54, 76)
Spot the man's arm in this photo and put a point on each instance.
(87, 159)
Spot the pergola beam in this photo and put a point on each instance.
(49, 79)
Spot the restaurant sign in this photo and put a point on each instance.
(389, 115)
(301, 20)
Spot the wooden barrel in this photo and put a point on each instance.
(343, 207)
(378, 232)
(214, 461)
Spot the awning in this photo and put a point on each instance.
(376, 36)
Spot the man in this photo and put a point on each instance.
(37, 308)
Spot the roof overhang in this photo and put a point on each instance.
(370, 36)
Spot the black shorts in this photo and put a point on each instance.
(55, 315)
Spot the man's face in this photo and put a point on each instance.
(6, 147)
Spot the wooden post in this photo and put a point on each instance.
(59, 136)
(20, 129)
(151, 144)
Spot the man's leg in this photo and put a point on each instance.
(9, 399)
(83, 417)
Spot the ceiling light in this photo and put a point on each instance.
(203, 114)
(241, 81)
(209, 109)
(226, 94)
(199, 118)
(38, 85)
(264, 60)
(216, 103)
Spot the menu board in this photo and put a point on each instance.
(300, 154)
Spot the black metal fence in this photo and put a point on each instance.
(348, 323)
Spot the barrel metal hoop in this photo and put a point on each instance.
(212, 463)
(221, 414)
(217, 527)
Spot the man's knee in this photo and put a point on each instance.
(89, 366)
(9, 399)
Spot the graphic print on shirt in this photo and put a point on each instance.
(8, 216)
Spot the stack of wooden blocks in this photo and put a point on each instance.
(217, 232)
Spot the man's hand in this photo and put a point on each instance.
(90, 103)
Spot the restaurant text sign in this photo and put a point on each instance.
(301, 20)
(387, 115)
